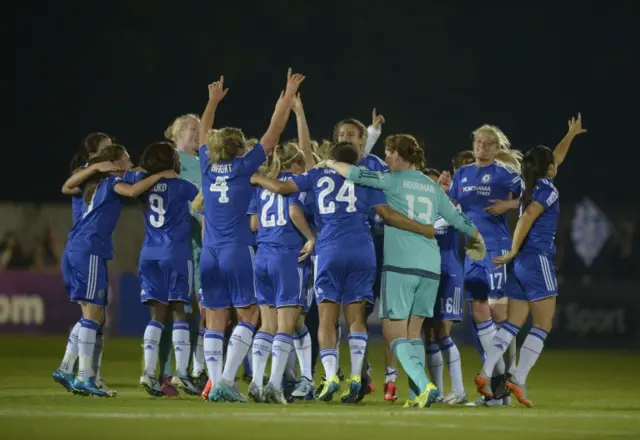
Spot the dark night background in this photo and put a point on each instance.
(434, 70)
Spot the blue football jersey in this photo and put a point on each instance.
(374, 163)
(472, 187)
(166, 218)
(76, 207)
(541, 237)
(341, 205)
(274, 223)
(92, 232)
(448, 239)
(227, 191)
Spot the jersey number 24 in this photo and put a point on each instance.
(346, 193)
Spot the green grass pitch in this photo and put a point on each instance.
(578, 395)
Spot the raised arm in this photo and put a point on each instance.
(144, 185)
(217, 92)
(401, 221)
(304, 137)
(72, 184)
(274, 186)
(281, 113)
(575, 129)
(374, 131)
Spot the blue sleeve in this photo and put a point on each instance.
(374, 163)
(112, 181)
(250, 162)
(545, 195)
(253, 203)
(132, 177)
(453, 190)
(189, 190)
(203, 154)
(513, 182)
(294, 199)
(375, 197)
(304, 181)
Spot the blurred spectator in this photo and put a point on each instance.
(11, 254)
(46, 256)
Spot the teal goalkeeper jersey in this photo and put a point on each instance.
(190, 170)
(422, 200)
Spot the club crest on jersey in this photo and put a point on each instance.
(486, 178)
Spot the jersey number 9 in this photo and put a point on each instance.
(156, 204)
(347, 194)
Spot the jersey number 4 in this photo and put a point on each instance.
(220, 186)
(346, 193)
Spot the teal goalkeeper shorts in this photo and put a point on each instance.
(410, 292)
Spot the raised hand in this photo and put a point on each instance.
(217, 92)
(445, 180)
(575, 126)
(297, 104)
(377, 120)
(293, 83)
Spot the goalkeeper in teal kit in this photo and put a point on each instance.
(184, 132)
(411, 270)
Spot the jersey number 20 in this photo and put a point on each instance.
(346, 193)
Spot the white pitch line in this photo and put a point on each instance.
(305, 417)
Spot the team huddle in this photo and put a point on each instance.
(271, 240)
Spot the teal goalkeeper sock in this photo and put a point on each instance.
(412, 361)
(418, 347)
